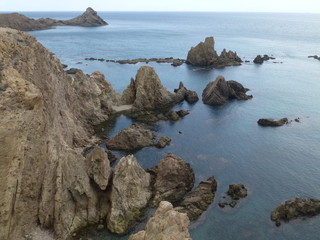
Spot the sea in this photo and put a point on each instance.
(275, 164)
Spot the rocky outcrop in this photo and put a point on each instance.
(20, 22)
(198, 201)
(154, 116)
(269, 122)
(46, 121)
(135, 137)
(295, 208)
(315, 57)
(98, 165)
(165, 224)
(260, 59)
(234, 194)
(174, 178)
(221, 91)
(174, 61)
(204, 54)
(147, 93)
(130, 194)
(190, 96)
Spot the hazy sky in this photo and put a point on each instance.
(164, 5)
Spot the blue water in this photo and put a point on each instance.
(276, 164)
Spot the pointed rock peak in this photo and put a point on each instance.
(90, 10)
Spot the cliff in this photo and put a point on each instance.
(17, 21)
(46, 121)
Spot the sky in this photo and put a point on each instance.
(304, 6)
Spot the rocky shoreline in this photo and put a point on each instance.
(18, 21)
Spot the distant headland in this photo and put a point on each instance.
(18, 21)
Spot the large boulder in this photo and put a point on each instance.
(198, 201)
(147, 93)
(220, 91)
(269, 122)
(298, 207)
(130, 194)
(135, 137)
(173, 180)
(204, 54)
(99, 169)
(165, 224)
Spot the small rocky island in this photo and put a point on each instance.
(18, 21)
(205, 55)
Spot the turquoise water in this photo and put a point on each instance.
(276, 164)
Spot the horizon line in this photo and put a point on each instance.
(146, 11)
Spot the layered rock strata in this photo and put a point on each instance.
(204, 54)
(220, 91)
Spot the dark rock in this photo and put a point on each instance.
(177, 62)
(182, 113)
(73, 70)
(174, 179)
(269, 122)
(198, 201)
(112, 158)
(64, 65)
(4, 87)
(258, 59)
(298, 207)
(172, 116)
(220, 91)
(191, 96)
(315, 57)
(154, 116)
(237, 191)
(163, 142)
(297, 119)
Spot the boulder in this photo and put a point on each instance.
(218, 92)
(130, 194)
(174, 179)
(269, 122)
(147, 93)
(204, 54)
(198, 201)
(191, 96)
(295, 208)
(258, 59)
(165, 224)
(99, 168)
(163, 142)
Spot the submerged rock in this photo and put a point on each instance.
(269, 122)
(165, 224)
(221, 91)
(204, 54)
(234, 194)
(174, 179)
(154, 116)
(295, 208)
(198, 201)
(99, 168)
(130, 194)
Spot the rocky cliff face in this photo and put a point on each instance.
(165, 224)
(204, 54)
(17, 21)
(44, 125)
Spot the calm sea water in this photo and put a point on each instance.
(276, 164)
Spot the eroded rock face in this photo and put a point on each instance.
(147, 93)
(234, 194)
(204, 54)
(198, 201)
(23, 23)
(46, 118)
(174, 179)
(269, 122)
(130, 194)
(99, 168)
(165, 224)
(220, 91)
(298, 207)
